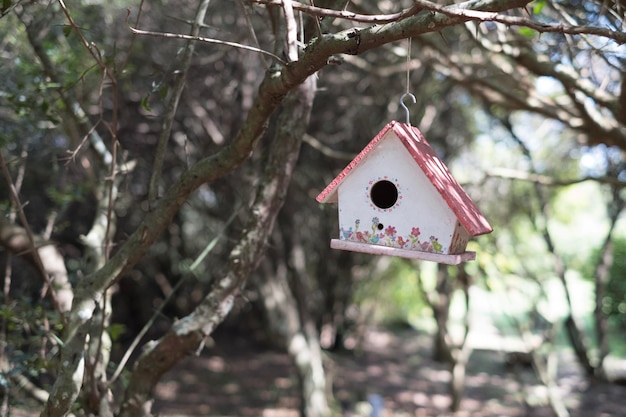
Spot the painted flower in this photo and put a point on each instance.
(390, 231)
(435, 243)
(415, 231)
(375, 221)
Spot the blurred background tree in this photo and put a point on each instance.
(144, 173)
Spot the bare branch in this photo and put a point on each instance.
(30, 244)
(206, 40)
(31, 389)
(513, 174)
(326, 150)
(344, 14)
(253, 36)
(172, 105)
(7, 10)
(91, 47)
(291, 31)
(619, 37)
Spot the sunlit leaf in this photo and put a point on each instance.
(527, 32)
(538, 6)
(116, 330)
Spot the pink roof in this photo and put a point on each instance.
(450, 190)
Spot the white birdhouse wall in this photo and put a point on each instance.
(387, 200)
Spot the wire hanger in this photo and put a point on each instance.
(406, 109)
(408, 84)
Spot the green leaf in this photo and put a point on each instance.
(527, 32)
(538, 6)
(6, 4)
(144, 103)
(116, 330)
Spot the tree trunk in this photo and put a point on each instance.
(298, 336)
(440, 304)
(602, 276)
(285, 311)
(576, 335)
(444, 348)
(601, 324)
(460, 354)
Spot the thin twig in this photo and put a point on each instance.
(8, 9)
(109, 162)
(318, 27)
(344, 14)
(132, 42)
(619, 37)
(90, 46)
(8, 275)
(325, 149)
(122, 364)
(31, 238)
(550, 181)
(172, 105)
(206, 40)
(250, 28)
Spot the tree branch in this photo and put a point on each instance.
(512, 174)
(327, 150)
(572, 107)
(206, 40)
(344, 14)
(291, 30)
(619, 37)
(172, 105)
(21, 240)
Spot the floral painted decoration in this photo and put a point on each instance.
(388, 236)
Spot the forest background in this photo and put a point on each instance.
(160, 162)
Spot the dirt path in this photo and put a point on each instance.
(234, 378)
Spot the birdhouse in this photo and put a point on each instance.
(398, 198)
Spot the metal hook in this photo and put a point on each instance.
(406, 109)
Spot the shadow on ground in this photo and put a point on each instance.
(236, 378)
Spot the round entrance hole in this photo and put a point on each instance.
(384, 194)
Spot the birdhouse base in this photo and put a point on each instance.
(452, 259)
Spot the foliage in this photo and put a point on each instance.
(391, 296)
(614, 301)
(29, 329)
